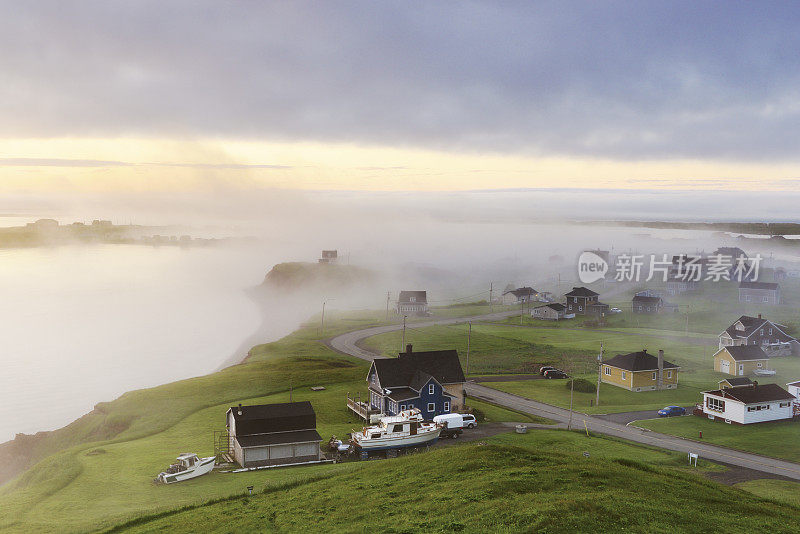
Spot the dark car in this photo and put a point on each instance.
(543, 369)
(670, 411)
(555, 373)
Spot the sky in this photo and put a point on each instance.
(398, 96)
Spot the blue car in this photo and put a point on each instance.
(669, 411)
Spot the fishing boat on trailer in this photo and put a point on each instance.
(406, 429)
(187, 466)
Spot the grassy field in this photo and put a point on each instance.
(536, 482)
(98, 470)
(778, 439)
(777, 490)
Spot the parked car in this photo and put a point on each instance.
(555, 373)
(670, 411)
(614, 310)
(543, 369)
(452, 424)
(469, 420)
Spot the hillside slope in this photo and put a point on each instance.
(489, 487)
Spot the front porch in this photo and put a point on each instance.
(361, 408)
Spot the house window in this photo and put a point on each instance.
(580, 308)
(770, 331)
(785, 404)
(747, 298)
(446, 406)
(759, 365)
(412, 299)
(715, 405)
(623, 375)
(431, 407)
(766, 299)
(402, 407)
(762, 331)
(669, 374)
(654, 376)
(431, 389)
(575, 299)
(607, 370)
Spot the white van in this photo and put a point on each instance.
(469, 420)
(452, 424)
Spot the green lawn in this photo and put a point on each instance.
(537, 482)
(778, 439)
(490, 413)
(778, 490)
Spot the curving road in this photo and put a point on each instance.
(348, 344)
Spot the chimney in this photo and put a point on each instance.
(240, 409)
(408, 349)
(759, 316)
(660, 375)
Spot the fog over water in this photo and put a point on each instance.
(85, 323)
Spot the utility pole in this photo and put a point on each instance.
(521, 311)
(387, 305)
(599, 374)
(687, 320)
(469, 336)
(491, 302)
(571, 390)
(403, 341)
(322, 324)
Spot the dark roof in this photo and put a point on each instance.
(772, 286)
(402, 393)
(751, 324)
(277, 438)
(421, 297)
(754, 393)
(419, 380)
(738, 381)
(523, 291)
(555, 306)
(281, 417)
(443, 365)
(638, 361)
(747, 352)
(581, 292)
(647, 300)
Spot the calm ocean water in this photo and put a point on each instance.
(85, 324)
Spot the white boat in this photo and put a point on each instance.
(187, 466)
(406, 429)
(764, 372)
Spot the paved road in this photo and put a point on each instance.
(664, 441)
(628, 417)
(347, 344)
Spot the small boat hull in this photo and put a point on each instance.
(397, 442)
(203, 467)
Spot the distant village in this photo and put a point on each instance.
(420, 396)
(49, 232)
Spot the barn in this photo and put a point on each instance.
(273, 434)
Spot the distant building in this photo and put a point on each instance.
(794, 389)
(583, 301)
(551, 312)
(431, 381)
(779, 274)
(685, 273)
(640, 371)
(740, 360)
(273, 434)
(760, 293)
(770, 336)
(43, 224)
(412, 303)
(329, 256)
(738, 382)
(519, 295)
(751, 404)
(646, 304)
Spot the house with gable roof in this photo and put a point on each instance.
(431, 381)
(771, 337)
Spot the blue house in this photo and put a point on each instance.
(431, 381)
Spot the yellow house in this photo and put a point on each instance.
(640, 371)
(740, 360)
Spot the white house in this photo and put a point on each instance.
(749, 404)
(794, 389)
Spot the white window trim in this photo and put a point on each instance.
(669, 374)
(607, 370)
(624, 375)
(431, 389)
(447, 406)
(431, 406)
(654, 375)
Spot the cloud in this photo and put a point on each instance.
(618, 80)
(62, 162)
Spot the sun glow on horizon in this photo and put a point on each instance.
(145, 164)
